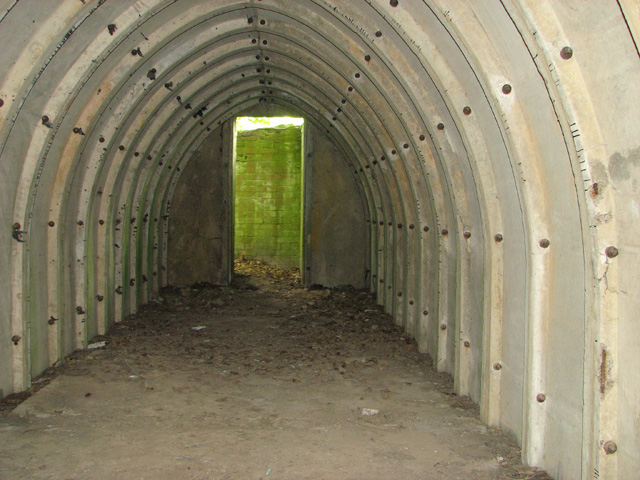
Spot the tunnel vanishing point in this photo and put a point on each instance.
(476, 164)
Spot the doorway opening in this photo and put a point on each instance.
(268, 189)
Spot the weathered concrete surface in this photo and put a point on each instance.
(199, 231)
(510, 121)
(337, 234)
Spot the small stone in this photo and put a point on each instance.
(370, 412)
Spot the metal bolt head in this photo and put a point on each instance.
(52, 223)
(16, 226)
(611, 252)
(445, 232)
(99, 298)
(610, 447)
(506, 89)
(425, 312)
(426, 229)
(497, 366)
(498, 237)
(466, 110)
(399, 294)
(467, 235)
(541, 397)
(544, 243)
(443, 327)
(467, 344)
(566, 53)
(15, 339)
(441, 126)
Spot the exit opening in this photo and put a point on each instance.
(268, 190)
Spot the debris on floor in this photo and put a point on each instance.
(263, 372)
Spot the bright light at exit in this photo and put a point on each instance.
(254, 123)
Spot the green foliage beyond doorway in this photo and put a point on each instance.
(268, 194)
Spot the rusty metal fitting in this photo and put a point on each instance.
(610, 447)
(541, 397)
(497, 366)
(16, 339)
(544, 243)
(566, 52)
(611, 252)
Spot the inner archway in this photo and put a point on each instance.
(268, 185)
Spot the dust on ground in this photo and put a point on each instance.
(259, 380)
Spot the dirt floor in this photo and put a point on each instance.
(262, 380)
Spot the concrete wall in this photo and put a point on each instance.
(494, 143)
(336, 242)
(268, 196)
(199, 245)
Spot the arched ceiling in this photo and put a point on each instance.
(466, 124)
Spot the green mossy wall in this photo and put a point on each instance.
(268, 195)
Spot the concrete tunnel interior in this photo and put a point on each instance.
(476, 165)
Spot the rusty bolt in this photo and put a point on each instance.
(544, 243)
(121, 147)
(426, 229)
(412, 226)
(52, 223)
(101, 222)
(566, 53)
(101, 139)
(506, 89)
(15, 339)
(445, 232)
(1, 102)
(466, 110)
(425, 312)
(610, 447)
(393, 3)
(498, 237)
(80, 222)
(381, 223)
(99, 298)
(467, 235)
(611, 252)
(378, 34)
(541, 397)
(410, 302)
(497, 366)
(112, 28)
(422, 138)
(467, 344)
(52, 320)
(441, 126)
(119, 290)
(16, 226)
(80, 310)
(406, 145)
(399, 225)
(443, 327)
(399, 294)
